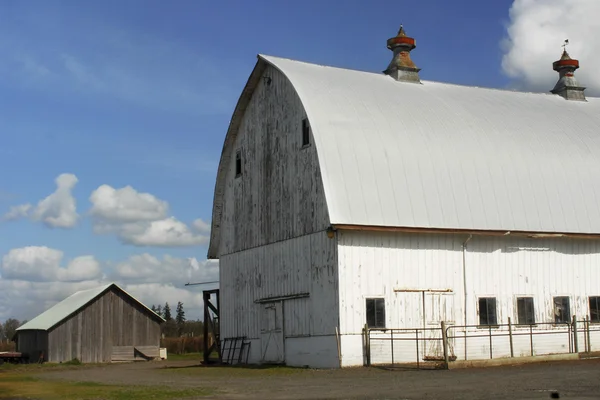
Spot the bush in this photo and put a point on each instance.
(182, 345)
(7, 346)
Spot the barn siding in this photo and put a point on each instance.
(305, 265)
(374, 264)
(113, 319)
(279, 195)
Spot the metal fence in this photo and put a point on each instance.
(430, 347)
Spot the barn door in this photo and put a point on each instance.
(438, 307)
(271, 333)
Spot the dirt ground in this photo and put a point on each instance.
(572, 379)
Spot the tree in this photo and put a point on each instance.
(167, 312)
(180, 318)
(10, 327)
(159, 310)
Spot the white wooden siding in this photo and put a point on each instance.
(304, 265)
(375, 264)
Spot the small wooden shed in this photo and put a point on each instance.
(103, 324)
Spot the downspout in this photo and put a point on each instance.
(464, 262)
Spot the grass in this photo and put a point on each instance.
(185, 357)
(14, 385)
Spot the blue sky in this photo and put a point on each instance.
(139, 94)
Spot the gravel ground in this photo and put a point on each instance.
(572, 379)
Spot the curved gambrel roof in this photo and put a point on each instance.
(442, 156)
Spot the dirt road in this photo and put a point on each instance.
(573, 380)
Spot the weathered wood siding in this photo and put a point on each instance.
(279, 194)
(111, 320)
(273, 232)
(32, 343)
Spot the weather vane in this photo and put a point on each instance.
(564, 46)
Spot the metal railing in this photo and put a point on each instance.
(420, 346)
(420, 338)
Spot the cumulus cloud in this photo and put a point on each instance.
(33, 279)
(535, 33)
(42, 264)
(17, 212)
(126, 205)
(146, 268)
(141, 219)
(59, 209)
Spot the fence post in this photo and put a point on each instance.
(392, 340)
(445, 343)
(575, 339)
(531, 338)
(367, 345)
(417, 340)
(589, 343)
(490, 330)
(510, 337)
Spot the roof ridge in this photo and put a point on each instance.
(423, 81)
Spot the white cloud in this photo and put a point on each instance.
(59, 210)
(201, 226)
(535, 34)
(16, 212)
(126, 205)
(32, 280)
(141, 219)
(146, 268)
(41, 264)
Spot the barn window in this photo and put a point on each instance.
(562, 310)
(487, 311)
(238, 163)
(305, 132)
(525, 313)
(376, 313)
(595, 309)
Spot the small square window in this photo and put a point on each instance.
(595, 309)
(305, 132)
(525, 312)
(238, 163)
(562, 310)
(487, 311)
(376, 313)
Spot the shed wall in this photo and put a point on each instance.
(33, 343)
(111, 321)
(376, 264)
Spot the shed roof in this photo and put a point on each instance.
(70, 305)
(445, 156)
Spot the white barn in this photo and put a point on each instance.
(346, 198)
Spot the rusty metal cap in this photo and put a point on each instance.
(401, 39)
(565, 62)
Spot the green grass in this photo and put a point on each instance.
(17, 385)
(185, 357)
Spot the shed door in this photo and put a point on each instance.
(438, 307)
(271, 333)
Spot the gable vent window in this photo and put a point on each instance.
(238, 163)
(487, 311)
(305, 133)
(376, 313)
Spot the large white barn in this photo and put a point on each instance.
(346, 198)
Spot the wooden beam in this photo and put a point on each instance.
(536, 235)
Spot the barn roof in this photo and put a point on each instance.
(443, 156)
(70, 305)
